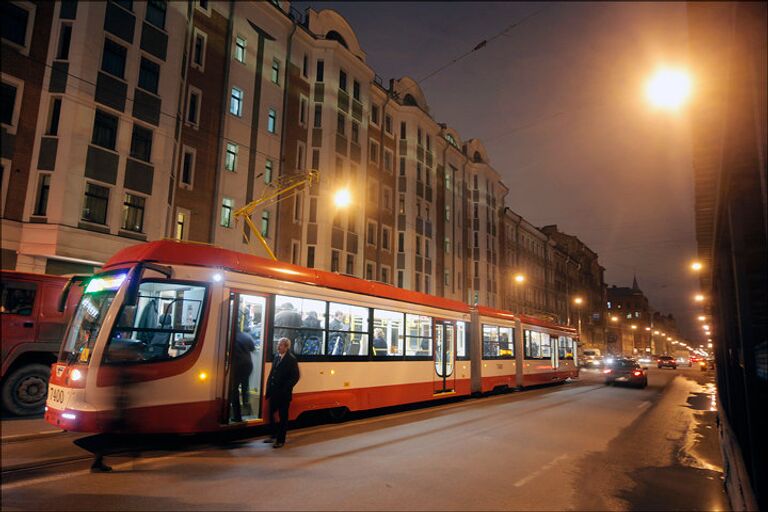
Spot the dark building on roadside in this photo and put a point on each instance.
(629, 315)
(728, 47)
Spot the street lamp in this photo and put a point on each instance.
(702, 318)
(696, 266)
(668, 88)
(578, 301)
(342, 198)
(698, 297)
(519, 278)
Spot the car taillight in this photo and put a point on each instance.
(637, 373)
(607, 370)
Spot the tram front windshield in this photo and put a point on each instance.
(89, 317)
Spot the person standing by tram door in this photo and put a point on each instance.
(282, 378)
(242, 367)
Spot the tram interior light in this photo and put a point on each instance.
(217, 277)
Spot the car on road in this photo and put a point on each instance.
(707, 363)
(626, 371)
(591, 358)
(694, 360)
(667, 362)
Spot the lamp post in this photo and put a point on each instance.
(578, 301)
(519, 279)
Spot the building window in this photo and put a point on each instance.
(320, 71)
(343, 80)
(388, 124)
(447, 278)
(300, 158)
(236, 102)
(181, 225)
(230, 158)
(96, 203)
(427, 284)
(295, 252)
(104, 130)
(265, 224)
(141, 143)
(198, 51)
(113, 59)
(53, 120)
(193, 106)
(315, 159)
(318, 115)
(275, 76)
(417, 282)
(14, 23)
(400, 241)
(388, 160)
(370, 231)
(402, 166)
(303, 111)
(429, 143)
(297, 208)
(356, 90)
(334, 261)
(133, 213)
(375, 114)
(355, 132)
(156, 13)
(341, 124)
(310, 256)
(386, 197)
(188, 167)
(403, 130)
(268, 171)
(7, 103)
(43, 188)
(226, 212)
(125, 4)
(369, 274)
(305, 66)
(240, 44)
(418, 245)
(272, 121)
(385, 275)
(401, 205)
(350, 264)
(374, 152)
(400, 278)
(65, 39)
(149, 75)
(386, 236)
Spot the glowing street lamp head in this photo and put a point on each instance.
(342, 198)
(696, 266)
(668, 88)
(633, 326)
(614, 319)
(702, 318)
(578, 301)
(698, 297)
(519, 278)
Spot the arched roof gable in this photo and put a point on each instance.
(329, 22)
(407, 86)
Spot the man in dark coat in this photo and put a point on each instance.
(282, 378)
(242, 367)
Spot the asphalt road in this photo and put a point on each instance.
(578, 446)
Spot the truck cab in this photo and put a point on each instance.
(32, 329)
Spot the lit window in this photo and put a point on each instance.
(230, 158)
(272, 121)
(265, 224)
(275, 71)
(198, 51)
(133, 213)
(236, 102)
(96, 203)
(240, 44)
(226, 212)
(268, 171)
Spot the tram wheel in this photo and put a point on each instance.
(337, 414)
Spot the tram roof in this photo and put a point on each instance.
(174, 252)
(532, 320)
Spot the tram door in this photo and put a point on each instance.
(555, 344)
(445, 347)
(245, 355)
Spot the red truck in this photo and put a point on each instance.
(34, 315)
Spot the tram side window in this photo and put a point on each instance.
(18, 298)
(418, 335)
(566, 347)
(461, 339)
(546, 345)
(490, 341)
(303, 322)
(163, 324)
(533, 344)
(347, 330)
(388, 333)
(506, 342)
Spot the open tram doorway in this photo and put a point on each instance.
(445, 349)
(245, 357)
(554, 352)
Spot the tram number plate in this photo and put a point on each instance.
(56, 397)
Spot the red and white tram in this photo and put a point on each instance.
(170, 313)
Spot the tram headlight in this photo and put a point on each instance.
(69, 416)
(76, 375)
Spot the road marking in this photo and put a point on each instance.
(541, 470)
(644, 405)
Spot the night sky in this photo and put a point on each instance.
(559, 103)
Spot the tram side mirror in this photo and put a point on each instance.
(79, 280)
(132, 293)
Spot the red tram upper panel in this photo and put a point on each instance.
(195, 254)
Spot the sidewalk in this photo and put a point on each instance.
(15, 429)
